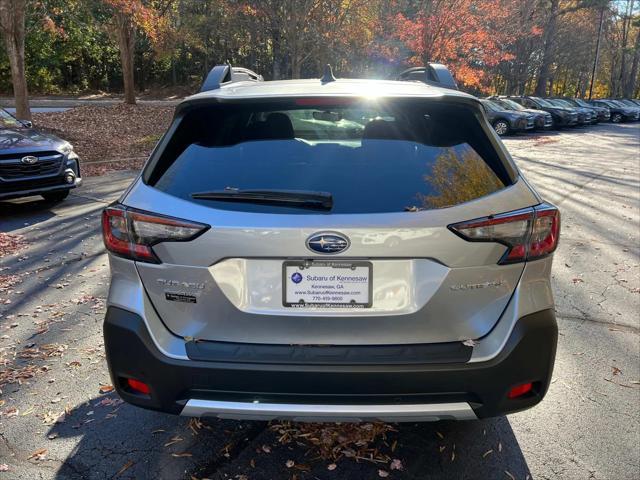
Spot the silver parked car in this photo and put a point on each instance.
(336, 250)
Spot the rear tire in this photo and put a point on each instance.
(616, 118)
(56, 196)
(501, 127)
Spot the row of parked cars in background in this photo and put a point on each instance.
(512, 114)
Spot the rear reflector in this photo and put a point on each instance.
(520, 390)
(138, 386)
(131, 233)
(529, 233)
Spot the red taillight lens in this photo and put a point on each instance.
(529, 233)
(131, 233)
(546, 229)
(138, 386)
(520, 390)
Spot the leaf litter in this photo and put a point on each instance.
(333, 442)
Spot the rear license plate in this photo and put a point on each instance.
(327, 284)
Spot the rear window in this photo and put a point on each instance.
(371, 157)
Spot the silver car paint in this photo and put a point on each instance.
(427, 271)
(532, 294)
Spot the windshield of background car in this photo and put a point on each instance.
(8, 121)
(371, 156)
(492, 106)
(510, 104)
(542, 102)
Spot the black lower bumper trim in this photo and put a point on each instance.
(528, 356)
(452, 352)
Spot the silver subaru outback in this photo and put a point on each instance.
(330, 250)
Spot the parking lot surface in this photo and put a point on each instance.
(62, 421)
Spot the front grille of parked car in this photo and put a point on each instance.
(13, 169)
(548, 120)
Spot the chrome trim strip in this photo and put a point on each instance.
(328, 413)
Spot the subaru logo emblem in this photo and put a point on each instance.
(296, 277)
(29, 160)
(328, 243)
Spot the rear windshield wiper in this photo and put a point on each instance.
(292, 198)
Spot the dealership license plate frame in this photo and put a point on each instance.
(337, 264)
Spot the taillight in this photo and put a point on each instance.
(529, 233)
(131, 233)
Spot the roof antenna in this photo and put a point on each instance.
(328, 77)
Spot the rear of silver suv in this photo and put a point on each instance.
(339, 250)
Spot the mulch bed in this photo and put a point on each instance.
(119, 136)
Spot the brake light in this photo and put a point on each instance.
(131, 233)
(529, 233)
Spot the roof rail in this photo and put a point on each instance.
(224, 74)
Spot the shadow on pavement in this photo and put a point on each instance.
(121, 441)
(36, 209)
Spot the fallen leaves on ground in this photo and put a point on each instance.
(38, 454)
(10, 243)
(106, 389)
(359, 441)
(17, 375)
(124, 468)
(174, 440)
(42, 352)
(108, 132)
(8, 281)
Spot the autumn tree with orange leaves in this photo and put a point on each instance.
(466, 35)
(492, 46)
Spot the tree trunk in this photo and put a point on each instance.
(277, 53)
(630, 84)
(12, 27)
(126, 41)
(626, 26)
(549, 49)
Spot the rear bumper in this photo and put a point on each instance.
(331, 392)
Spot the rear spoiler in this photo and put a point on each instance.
(434, 74)
(225, 74)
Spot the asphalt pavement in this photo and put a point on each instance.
(62, 422)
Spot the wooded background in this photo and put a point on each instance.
(492, 46)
